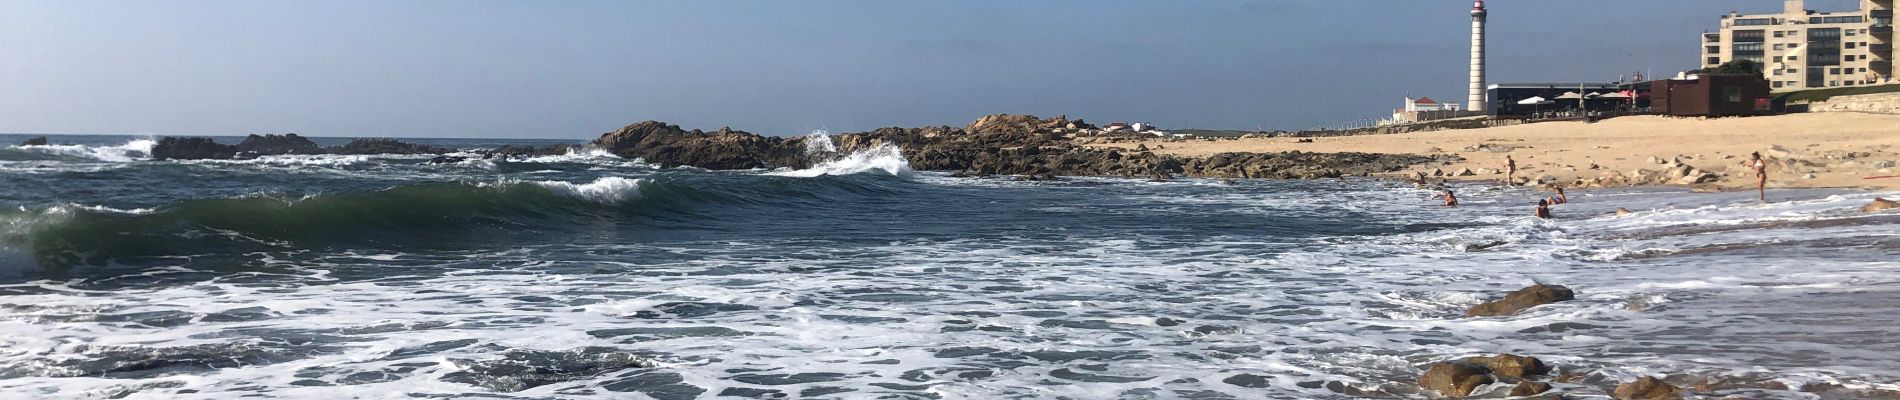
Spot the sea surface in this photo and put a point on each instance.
(590, 276)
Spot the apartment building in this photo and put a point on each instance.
(1801, 48)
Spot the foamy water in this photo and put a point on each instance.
(857, 283)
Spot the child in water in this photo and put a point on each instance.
(1560, 198)
(1543, 209)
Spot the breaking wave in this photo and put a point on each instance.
(132, 150)
(884, 158)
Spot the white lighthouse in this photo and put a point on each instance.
(1475, 100)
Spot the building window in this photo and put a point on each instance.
(1777, 46)
(1777, 72)
(1834, 71)
(1754, 22)
(1794, 58)
(1850, 45)
(1715, 49)
(1851, 19)
(1849, 32)
(1777, 83)
(1777, 59)
(1715, 60)
(1732, 93)
(1794, 45)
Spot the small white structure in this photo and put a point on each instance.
(1427, 104)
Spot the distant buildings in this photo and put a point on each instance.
(1801, 48)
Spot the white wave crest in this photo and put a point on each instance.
(131, 150)
(576, 154)
(885, 157)
(819, 142)
(330, 160)
(606, 190)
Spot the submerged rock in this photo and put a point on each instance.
(1528, 388)
(1880, 204)
(1647, 388)
(1454, 379)
(1511, 304)
(1512, 365)
(191, 148)
(38, 141)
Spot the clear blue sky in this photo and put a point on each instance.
(573, 69)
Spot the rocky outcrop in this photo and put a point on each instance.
(1522, 299)
(1454, 379)
(994, 145)
(1647, 388)
(267, 145)
(668, 145)
(386, 146)
(191, 148)
(1880, 204)
(38, 141)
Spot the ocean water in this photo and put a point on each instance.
(589, 276)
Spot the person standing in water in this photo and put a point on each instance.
(1451, 200)
(1510, 171)
(1761, 175)
(1543, 209)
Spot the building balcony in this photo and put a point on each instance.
(1881, 67)
(1712, 38)
(1884, 50)
(1881, 30)
(1877, 14)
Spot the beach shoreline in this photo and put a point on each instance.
(1830, 150)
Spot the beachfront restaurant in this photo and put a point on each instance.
(1564, 100)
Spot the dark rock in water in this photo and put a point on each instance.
(1528, 388)
(1512, 365)
(191, 148)
(1647, 388)
(289, 143)
(1879, 205)
(447, 160)
(1454, 379)
(38, 141)
(1522, 299)
(668, 145)
(527, 151)
(386, 146)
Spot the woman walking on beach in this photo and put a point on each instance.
(1510, 171)
(1761, 175)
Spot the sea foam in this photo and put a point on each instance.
(132, 150)
(606, 190)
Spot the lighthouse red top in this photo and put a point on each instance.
(1477, 7)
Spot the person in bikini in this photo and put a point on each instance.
(1510, 171)
(1761, 175)
(1451, 200)
(1560, 198)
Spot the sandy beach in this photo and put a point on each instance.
(1817, 150)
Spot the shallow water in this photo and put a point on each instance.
(589, 276)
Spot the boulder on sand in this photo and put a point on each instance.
(1454, 379)
(1647, 388)
(38, 141)
(191, 148)
(1536, 295)
(1879, 205)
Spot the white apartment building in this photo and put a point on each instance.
(1801, 48)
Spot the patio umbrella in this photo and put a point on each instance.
(1570, 96)
(1534, 100)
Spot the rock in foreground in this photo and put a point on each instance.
(1647, 388)
(1522, 299)
(1512, 365)
(1879, 205)
(1454, 379)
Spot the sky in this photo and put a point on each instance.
(576, 68)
